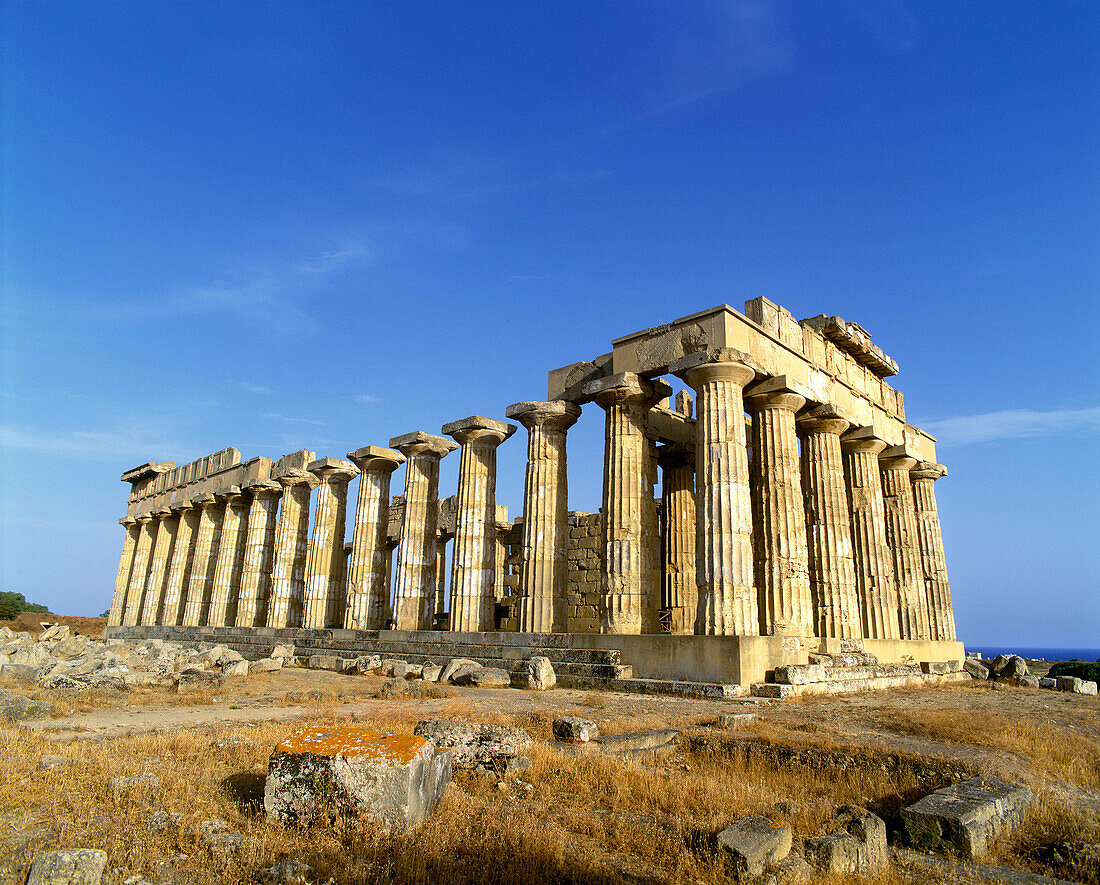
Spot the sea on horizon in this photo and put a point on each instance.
(1037, 654)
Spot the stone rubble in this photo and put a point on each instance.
(473, 745)
(753, 843)
(75, 866)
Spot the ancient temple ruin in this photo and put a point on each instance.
(796, 518)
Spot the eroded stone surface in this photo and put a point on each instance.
(964, 818)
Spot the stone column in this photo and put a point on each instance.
(542, 603)
(473, 561)
(259, 552)
(324, 593)
(291, 548)
(941, 619)
(158, 565)
(828, 526)
(875, 587)
(368, 565)
(125, 566)
(679, 593)
(227, 567)
(904, 543)
(416, 552)
(780, 552)
(179, 565)
(200, 586)
(629, 579)
(147, 532)
(723, 558)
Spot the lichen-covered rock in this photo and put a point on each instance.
(473, 744)
(540, 674)
(753, 843)
(16, 708)
(287, 872)
(77, 866)
(575, 729)
(394, 780)
(484, 677)
(1015, 666)
(964, 818)
(194, 679)
(976, 668)
(856, 845)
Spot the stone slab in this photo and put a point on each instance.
(964, 818)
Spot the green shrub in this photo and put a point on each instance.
(1080, 669)
(11, 604)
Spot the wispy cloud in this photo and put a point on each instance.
(128, 442)
(275, 416)
(966, 430)
(249, 387)
(367, 398)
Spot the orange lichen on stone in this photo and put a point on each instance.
(354, 743)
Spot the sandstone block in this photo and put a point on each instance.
(976, 668)
(575, 729)
(76, 866)
(962, 819)
(394, 780)
(752, 843)
(540, 674)
(473, 744)
(857, 845)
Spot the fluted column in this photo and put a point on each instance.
(222, 611)
(180, 562)
(259, 552)
(167, 525)
(679, 591)
(780, 552)
(473, 560)
(542, 603)
(416, 552)
(324, 593)
(200, 586)
(135, 590)
(875, 587)
(904, 543)
(941, 619)
(368, 565)
(723, 559)
(125, 566)
(629, 577)
(291, 549)
(828, 526)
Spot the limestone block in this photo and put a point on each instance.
(430, 672)
(735, 720)
(284, 651)
(800, 674)
(1048, 682)
(1075, 685)
(753, 843)
(236, 668)
(540, 674)
(473, 744)
(936, 668)
(394, 780)
(199, 680)
(964, 818)
(484, 677)
(976, 668)
(575, 729)
(457, 667)
(74, 866)
(265, 665)
(1013, 666)
(322, 662)
(857, 844)
(394, 668)
(771, 690)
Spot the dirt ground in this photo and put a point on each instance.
(603, 820)
(31, 622)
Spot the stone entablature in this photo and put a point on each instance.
(796, 503)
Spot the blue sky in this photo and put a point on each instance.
(286, 225)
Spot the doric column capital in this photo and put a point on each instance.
(479, 429)
(127, 522)
(162, 512)
(231, 496)
(778, 392)
(553, 415)
(715, 364)
(336, 471)
(145, 518)
(822, 419)
(257, 488)
(376, 459)
(299, 478)
(862, 439)
(928, 470)
(420, 443)
(204, 500)
(897, 458)
(627, 389)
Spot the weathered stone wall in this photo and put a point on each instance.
(582, 581)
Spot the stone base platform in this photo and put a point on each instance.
(706, 666)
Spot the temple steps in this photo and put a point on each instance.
(851, 671)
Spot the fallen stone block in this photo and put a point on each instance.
(935, 668)
(430, 672)
(199, 680)
(457, 667)
(792, 870)
(485, 677)
(998, 664)
(76, 866)
(235, 668)
(322, 662)
(72, 647)
(1075, 685)
(964, 818)
(394, 667)
(414, 671)
(393, 688)
(394, 780)
(735, 720)
(55, 633)
(856, 845)
(284, 651)
(976, 668)
(16, 708)
(1014, 666)
(753, 843)
(637, 741)
(771, 690)
(225, 846)
(265, 665)
(575, 729)
(539, 674)
(1048, 682)
(473, 744)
